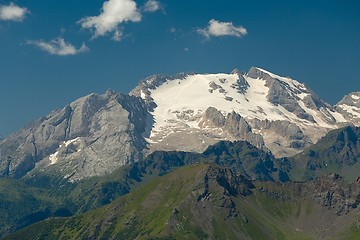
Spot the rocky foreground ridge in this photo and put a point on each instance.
(206, 201)
(96, 134)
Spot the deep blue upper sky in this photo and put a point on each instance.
(315, 42)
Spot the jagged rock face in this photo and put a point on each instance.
(349, 107)
(191, 112)
(92, 136)
(333, 193)
(227, 180)
(285, 137)
(246, 159)
(291, 95)
(338, 151)
(241, 84)
(234, 125)
(213, 192)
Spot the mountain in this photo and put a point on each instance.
(92, 136)
(246, 159)
(96, 134)
(205, 201)
(31, 199)
(337, 152)
(191, 112)
(349, 107)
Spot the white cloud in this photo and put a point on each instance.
(219, 29)
(59, 47)
(12, 12)
(152, 6)
(113, 13)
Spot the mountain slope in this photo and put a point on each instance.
(21, 205)
(258, 106)
(349, 107)
(246, 159)
(337, 152)
(207, 201)
(92, 136)
(46, 196)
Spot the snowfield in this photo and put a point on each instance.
(194, 94)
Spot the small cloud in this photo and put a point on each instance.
(117, 36)
(152, 6)
(172, 29)
(219, 29)
(12, 12)
(58, 47)
(186, 49)
(113, 13)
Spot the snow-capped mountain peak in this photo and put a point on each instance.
(96, 134)
(349, 107)
(178, 105)
(254, 71)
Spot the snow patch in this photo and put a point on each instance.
(314, 114)
(302, 95)
(351, 109)
(338, 117)
(67, 143)
(142, 94)
(53, 158)
(355, 97)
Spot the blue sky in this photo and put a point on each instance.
(53, 52)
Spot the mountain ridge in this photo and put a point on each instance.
(271, 112)
(208, 201)
(48, 197)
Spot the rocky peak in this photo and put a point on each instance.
(234, 125)
(71, 141)
(241, 84)
(349, 107)
(294, 97)
(338, 151)
(352, 99)
(255, 73)
(223, 178)
(237, 71)
(154, 81)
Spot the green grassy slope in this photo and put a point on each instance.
(54, 196)
(206, 202)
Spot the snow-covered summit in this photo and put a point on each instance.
(263, 99)
(349, 107)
